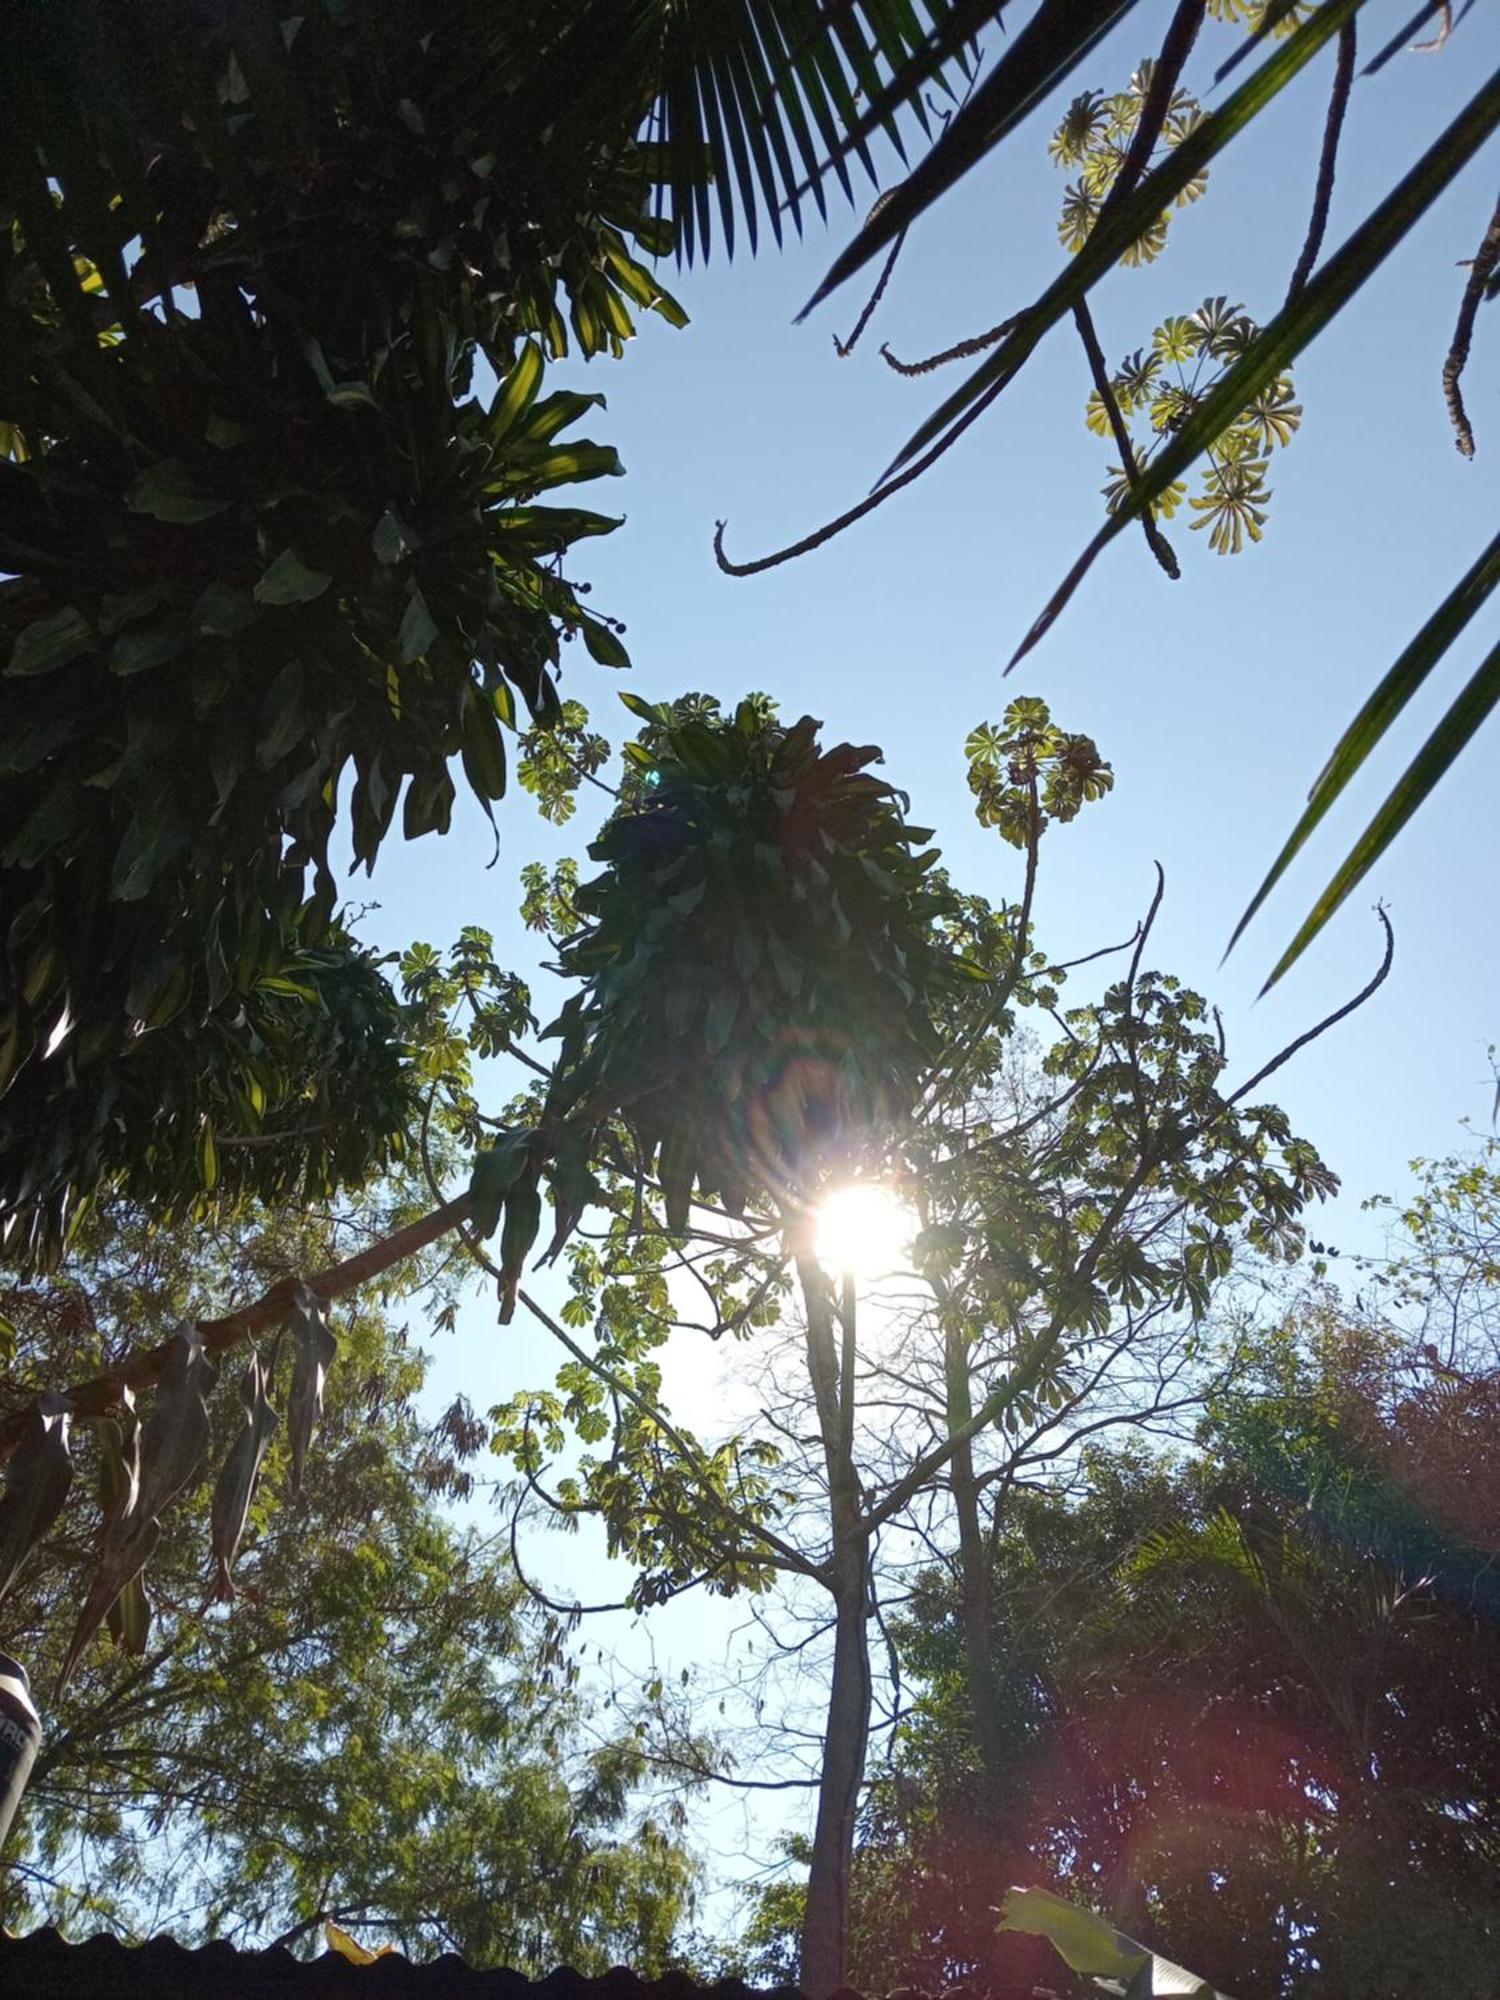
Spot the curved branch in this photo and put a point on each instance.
(1338, 104)
(964, 350)
(844, 348)
(1156, 541)
(1486, 257)
(856, 513)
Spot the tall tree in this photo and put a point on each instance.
(771, 1018)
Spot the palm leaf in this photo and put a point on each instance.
(1380, 711)
(1299, 322)
(1432, 762)
(746, 92)
(1051, 45)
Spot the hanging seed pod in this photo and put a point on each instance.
(129, 1619)
(171, 1445)
(123, 1553)
(119, 1461)
(36, 1484)
(316, 1348)
(241, 1473)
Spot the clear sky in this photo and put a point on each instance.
(1216, 698)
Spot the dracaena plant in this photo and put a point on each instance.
(761, 960)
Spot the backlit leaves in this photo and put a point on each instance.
(1157, 389)
(1094, 137)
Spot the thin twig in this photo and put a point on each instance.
(856, 513)
(1330, 1020)
(1338, 104)
(963, 351)
(1156, 541)
(1486, 258)
(844, 348)
(1444, 30)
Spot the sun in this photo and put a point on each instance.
(864, 1229)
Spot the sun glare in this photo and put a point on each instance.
(864, 1229)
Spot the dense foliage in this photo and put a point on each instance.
(1249, 1703)
(761, 961)
(381, 1730)
(272, 544)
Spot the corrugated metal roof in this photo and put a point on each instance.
(46, 1966)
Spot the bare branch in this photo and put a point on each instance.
(1338, 104)
(1156, 541)
(964, 350)
(101, 1393)
(844, 348)
(1486, 257)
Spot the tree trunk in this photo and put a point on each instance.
(830, 1361)
(974, 1575)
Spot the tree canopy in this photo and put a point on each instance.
(383, 1730)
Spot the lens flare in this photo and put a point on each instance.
(864, 1229)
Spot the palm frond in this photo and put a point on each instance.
(1408, 673)
(766, 99)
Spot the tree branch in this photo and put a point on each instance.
(101, 1393)
(1486, 258)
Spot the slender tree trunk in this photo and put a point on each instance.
(974, 1574)
(830, 1360)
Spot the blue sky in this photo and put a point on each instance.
(1216, 698)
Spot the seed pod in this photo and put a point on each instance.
(119, 1461)
(241, 1472)
(129, 1617)
(316, 1348)
(36, 1484)
(170, 1445)
(124, 1551)
(175, 1435)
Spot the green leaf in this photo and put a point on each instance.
(393, 539)
(145, 646)
(1368, 727)
(169, 492)
(418, 628)
(224, 434)
(50, 642)
(283, 718)
(483, 746)
(517, 392)
(723, 1011)
(1093, 1947)
(1432, 762)
(223, 611)
(290, 581)
(604, 647)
